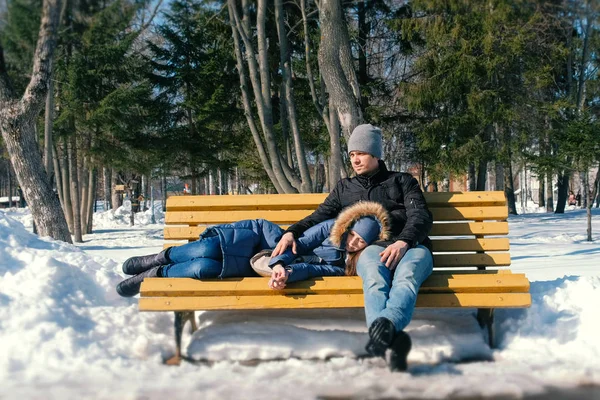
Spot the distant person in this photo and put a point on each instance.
(578, 198)
(572, 200)
(22, 202)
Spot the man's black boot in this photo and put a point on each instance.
(131, 286)
(137, 265)
(381, 336)
(400, 349)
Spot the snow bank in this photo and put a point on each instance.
(121, 216)
(64, 333)
(558, 334)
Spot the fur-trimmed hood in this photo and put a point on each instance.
(353, 213)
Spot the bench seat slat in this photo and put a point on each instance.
(437, 283)
(291, 216)
(475, 300)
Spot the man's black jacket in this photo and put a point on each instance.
(398, 192)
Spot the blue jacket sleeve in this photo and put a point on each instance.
(303, 271)
(310, 240)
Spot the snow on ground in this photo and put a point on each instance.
(65, 333)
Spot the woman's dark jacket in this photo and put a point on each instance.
(398, 192)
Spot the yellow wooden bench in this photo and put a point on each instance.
(470, 260)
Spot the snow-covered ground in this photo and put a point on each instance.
(65, 333)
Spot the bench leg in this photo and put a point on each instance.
(485, 317)
(181, 317)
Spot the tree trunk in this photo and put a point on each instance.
(148, 181)
(286, 71)
(318, 101)
(472, 178)
(337, 66)
(84, 181)
(509, 188)
(363, 31)
(285, 129)
(581, 84)
(17, 123)
(597, 190)
(91, 200)
(261, 84)
(164, 191)
(549, 193)
(106, 185)
(9, 179)
(481, 175)
(48, 122)
(212, 186)
(541, 190)
(591, 196)
(335, 149)
(66, 181)
(75, 200)
(326, 163)
(237, 32)
(58, 176)
(499, 175)
(563, 190)
(116, 196)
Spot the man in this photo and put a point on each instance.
(391, 271)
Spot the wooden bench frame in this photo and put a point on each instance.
(467, 241)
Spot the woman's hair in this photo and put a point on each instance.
(351, 261)
(350, 215)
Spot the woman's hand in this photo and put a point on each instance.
(279, 277)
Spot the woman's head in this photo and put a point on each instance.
(360, 225)
(362, 233)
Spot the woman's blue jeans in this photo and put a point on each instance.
(393, 294)
(200, 260)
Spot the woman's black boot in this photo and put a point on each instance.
(137, 265)
(381, 336)
(400, 349)
(131, 286)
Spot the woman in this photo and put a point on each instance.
(354, 229)
(224, 251)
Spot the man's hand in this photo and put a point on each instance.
(279, 277)
(392, 255)
(286, 240)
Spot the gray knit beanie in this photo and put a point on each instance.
(366, 138)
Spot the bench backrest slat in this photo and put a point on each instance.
(463, 221)
(454, 229)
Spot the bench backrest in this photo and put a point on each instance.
(465, 231)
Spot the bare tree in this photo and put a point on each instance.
(286, 71)
(337, 69)
(259, 75)
(337, 66)
(17, 123)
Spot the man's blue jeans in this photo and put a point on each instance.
(200, 260)
(393, 294)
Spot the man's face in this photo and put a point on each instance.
(363, 163)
